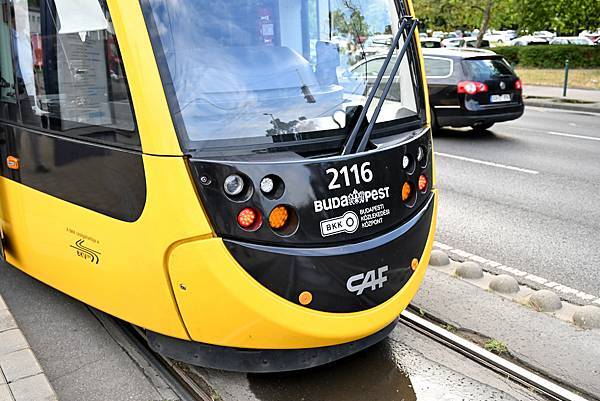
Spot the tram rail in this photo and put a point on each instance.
(187, 389)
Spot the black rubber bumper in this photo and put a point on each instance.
(464, 118)
(258, 360)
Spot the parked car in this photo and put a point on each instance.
(499, 37)
(429, 43)
(528, 41)
(546, 35)
(593, 36)
(471, 88)
(464, 42)
(571, 40)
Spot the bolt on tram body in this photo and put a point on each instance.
(217, 173)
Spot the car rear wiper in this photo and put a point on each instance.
(408, 23)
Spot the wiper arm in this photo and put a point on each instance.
(365, 139)
(406, 20)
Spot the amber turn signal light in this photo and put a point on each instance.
(406, 192)
(12, 163)
(305, 298)
(278, 217)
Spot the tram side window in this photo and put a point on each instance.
(8, 100)
(69, 70)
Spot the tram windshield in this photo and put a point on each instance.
(263, 71)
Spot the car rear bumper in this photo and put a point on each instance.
(459, 117)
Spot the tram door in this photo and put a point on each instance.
(8, 108)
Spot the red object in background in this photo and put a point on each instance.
(266, 26)
(471, 87)
(36, 44)
(518, 84)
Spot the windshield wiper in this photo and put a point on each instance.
(410, 23)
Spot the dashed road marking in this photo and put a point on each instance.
(560, 288)
(487, 163)
(590, 138)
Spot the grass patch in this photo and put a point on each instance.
(578, 78)
(497, 347)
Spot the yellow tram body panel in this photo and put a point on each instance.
(222, 304)
(130, 279)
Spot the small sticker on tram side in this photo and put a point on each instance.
(355, 197)
(347, 223)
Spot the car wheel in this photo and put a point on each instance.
(482, 127)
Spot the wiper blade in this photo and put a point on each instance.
(407, 22)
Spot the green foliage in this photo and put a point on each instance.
(563, 16)
(496, 346)
(552, 56)
(510, 53)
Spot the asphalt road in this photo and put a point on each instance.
(535, 203)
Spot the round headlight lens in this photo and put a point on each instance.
(234, 185)
(267, 185)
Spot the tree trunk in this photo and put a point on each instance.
(485, 22)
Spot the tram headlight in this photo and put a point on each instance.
(267, 185)
(234, 185)
(420, 153)
(405, 162)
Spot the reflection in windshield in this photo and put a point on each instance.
(264, 68)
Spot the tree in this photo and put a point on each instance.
(485, 22)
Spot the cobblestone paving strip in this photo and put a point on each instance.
(21, 376)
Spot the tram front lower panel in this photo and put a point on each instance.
(348, 265)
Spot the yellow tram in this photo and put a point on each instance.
(220, 173)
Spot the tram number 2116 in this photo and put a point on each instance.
(360, 174)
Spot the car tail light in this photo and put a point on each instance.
(248, 218)
(471, 87)
(518, 85)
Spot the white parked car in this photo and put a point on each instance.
(546, 35)
(528, 40)
(571, 40)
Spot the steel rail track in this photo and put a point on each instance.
(487, 359)
(188, 390)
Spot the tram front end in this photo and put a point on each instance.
(317, 176)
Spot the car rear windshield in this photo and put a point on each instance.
(487, 68)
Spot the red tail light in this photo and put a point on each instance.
(471, 87)
(518, 85)
(248, 218)
(422, 183)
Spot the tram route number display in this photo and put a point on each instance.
(350, 221)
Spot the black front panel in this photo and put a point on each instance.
(346, 278)
(341, 199)
(107, 180)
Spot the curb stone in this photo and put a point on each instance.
(591, 108)
(470, 270)
(545, 301)
(439, 258)
(21, 376)
(507, 286)
(587, 317)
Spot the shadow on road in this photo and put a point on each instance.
(470, 134)
(372, 374)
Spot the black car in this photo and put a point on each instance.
(471, 88)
